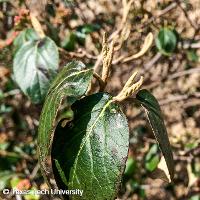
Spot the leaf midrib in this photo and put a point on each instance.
(54, 93)
(71, 75)
(87, 137)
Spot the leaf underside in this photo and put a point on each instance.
(35, 65)
(154, 115)
(90, 152)
(27, 35)
(72, 81)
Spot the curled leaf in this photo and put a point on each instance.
(153, 111)
(147, 44)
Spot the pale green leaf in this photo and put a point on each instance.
(35, 65)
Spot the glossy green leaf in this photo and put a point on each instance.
(153, 111)
(166, 41)
(90, 152)
(25, 36)
(35, 65)
(72, 81)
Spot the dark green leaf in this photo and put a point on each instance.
(69, 42)
(53, 32)
(82, 32)
(196, 166)
(50, 9)
(166, 41)
(72, 81)
(80, 37)
(25, 36)
(90, 152)
(35, 65)
(154, 115)
(88, 28)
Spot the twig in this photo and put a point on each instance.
(186, 15)
(34, 172)
(188, 45)
(151, 63)
(178, 98)
(80, 54)
(101, 82)
(173, 76)
(147, 44)
(12, 154)
(114, 35)
(194, 151)
(126, 9)
(161, 13)
(183, 73)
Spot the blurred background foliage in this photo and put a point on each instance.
(171, 69)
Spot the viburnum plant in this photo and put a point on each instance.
(83, 137)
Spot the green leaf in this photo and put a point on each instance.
(72, 81)
(131, 166)
(14, 182)
(25, 36)
(196, 166)
(5, 176)
(92, 149)
(35, 66)
(152, 158)
(89, 28)
(153, 111)
(166, 41)
(195, 197)
(69, 3)
(69, 42)
(4, 145)
(33, 195)
(192, 56)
